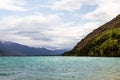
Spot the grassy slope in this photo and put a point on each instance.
(106, 44)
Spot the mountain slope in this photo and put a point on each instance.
(93, 43)
(15, 49)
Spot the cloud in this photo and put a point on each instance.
(36, 30)
(68, 5)
(12, 5)
(51, 28)
(42, 31)
(105, 11)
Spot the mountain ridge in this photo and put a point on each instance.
(96, 32)
(8, 48)
(114, 23)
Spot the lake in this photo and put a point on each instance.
(59, 68)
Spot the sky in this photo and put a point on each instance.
(56, 24)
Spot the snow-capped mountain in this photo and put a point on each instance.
(14, 49)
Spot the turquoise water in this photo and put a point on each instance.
(59, 68)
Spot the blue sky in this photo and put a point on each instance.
(53, 23)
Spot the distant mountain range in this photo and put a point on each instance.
(8, 48)
(104, 41)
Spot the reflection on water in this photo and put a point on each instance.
(59, 68)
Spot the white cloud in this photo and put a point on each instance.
(37, 30)
(50, 30)
(68, 5)
(106, 10)
(42, 30)
(12, 5)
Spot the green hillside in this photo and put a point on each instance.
(103, 41)
(106, 44)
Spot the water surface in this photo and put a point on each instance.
(59, 68)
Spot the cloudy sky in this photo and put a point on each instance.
(53, 23)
